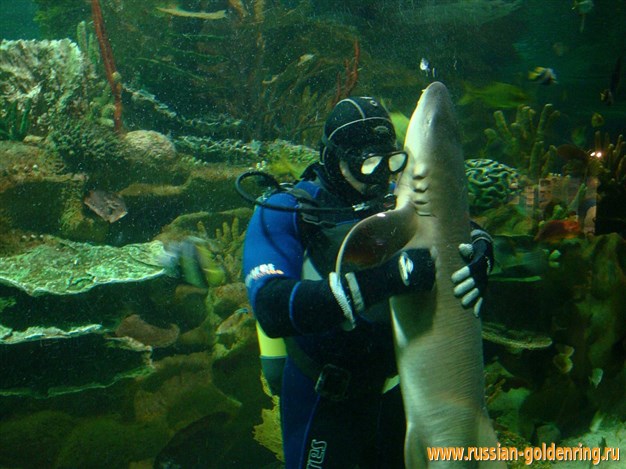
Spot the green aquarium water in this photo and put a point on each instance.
(124, 125)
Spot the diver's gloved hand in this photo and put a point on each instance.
(409, 271)
(192, 260)
(471, 281)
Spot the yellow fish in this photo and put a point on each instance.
(497, 95)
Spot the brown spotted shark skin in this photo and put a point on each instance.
(438, 342)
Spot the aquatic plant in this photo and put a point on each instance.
(522, 142)
(14, 124)
(284, 62)
(58, 18)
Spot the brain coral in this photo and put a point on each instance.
(490, 183)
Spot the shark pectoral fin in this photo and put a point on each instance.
(377, 238)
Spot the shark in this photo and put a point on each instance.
(438, 343)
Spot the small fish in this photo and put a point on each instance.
(608, 95)
(496, 95)
(425, 65)
(107, 205)
(582, 7)
(543, 76)
(555, 231)
(194, 259)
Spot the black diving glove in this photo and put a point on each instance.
(409, 271)
(471, 281)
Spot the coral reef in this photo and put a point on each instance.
(269, 52)
(136, 328)
(85, 146)
(522, 143)
(490, 184)
(218, 150)
(268, 432)
(612, 188)
(34, 357)
(51, 78)
(76, 268)
(612, 158)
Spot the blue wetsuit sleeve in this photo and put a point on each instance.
(272, 248)
(273, 256)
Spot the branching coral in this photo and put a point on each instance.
(231, 237)
(522, 143)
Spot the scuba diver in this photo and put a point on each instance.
(340, 403)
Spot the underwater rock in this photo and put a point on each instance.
(32, 358)
(490, 183)
(181, 391)
(151, 206)
(34, 440)
(235, 331)
(136, 328)
(148, 144)
(68, 268)
(37, 196)
(227, 298)
(55, 77)
(150, 157)
(109, 441)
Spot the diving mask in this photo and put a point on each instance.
(374, 166)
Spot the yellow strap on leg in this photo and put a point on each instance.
(268, 347)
